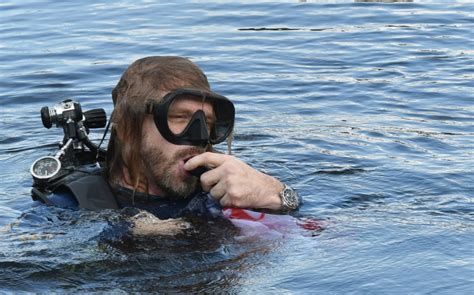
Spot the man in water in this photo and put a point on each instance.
(165, 122)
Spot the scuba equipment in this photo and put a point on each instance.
(198, 171)
(47, 167)
(76, 149)
(179, 125)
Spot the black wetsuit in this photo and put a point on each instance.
(91, 191)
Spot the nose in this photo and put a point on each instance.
(197, 130)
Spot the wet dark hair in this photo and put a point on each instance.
(146, 79)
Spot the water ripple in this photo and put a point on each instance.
(365, 108)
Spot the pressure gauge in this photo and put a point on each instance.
(45, 167)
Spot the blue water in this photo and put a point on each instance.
(366, 108)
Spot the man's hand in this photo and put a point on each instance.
(236, 184)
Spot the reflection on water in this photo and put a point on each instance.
(366, 109)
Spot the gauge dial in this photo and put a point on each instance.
(45, 167)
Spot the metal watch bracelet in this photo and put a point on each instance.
(289, 198)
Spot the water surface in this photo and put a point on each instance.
(366, 108)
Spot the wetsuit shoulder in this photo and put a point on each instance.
(85, 187)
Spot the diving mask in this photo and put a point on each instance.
(180, 123)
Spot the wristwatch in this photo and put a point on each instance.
(289, 198)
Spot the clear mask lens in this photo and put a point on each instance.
(182, 110)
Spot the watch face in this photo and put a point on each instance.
(290, 198)
(45, 167)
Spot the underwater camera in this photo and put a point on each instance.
(70, 111)
(75, 150)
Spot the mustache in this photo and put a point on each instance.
(191, 151)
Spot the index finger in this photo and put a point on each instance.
(207, 159)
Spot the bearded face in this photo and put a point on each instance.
(164, 163)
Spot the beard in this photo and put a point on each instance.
(161, 172)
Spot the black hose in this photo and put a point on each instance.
(94, 148)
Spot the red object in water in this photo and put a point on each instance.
(273, 221)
